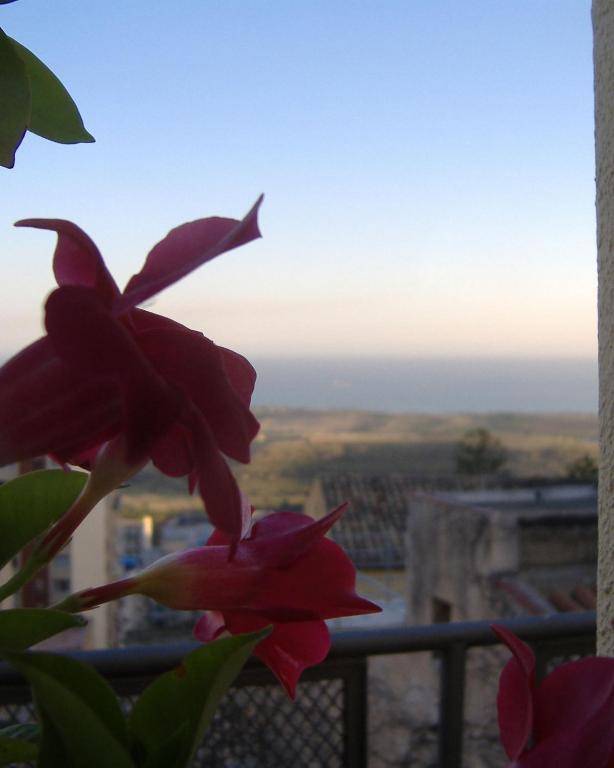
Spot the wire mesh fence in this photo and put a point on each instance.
(257, 726)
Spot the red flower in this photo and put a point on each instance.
(286, 574)
(567, 721)
(107, 369)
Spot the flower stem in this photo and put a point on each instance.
(90, 598)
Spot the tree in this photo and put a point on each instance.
(479, 453)
(584, 469)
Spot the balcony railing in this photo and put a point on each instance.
(256, 726)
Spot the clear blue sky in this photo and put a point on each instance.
(428, 168)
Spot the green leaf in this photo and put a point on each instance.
(29, 504)
(16, 751)
(15, 111)
(22, 627)
(51, 750)
(80, 714)
(170, 718)
(54, 115)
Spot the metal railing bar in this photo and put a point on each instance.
(145, 661)
(451, 705)
(434, 637)
(355, 716)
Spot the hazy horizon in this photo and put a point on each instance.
(425, 385)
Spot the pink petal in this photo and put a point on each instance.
(321, 584)
(289, 649)
(240, 373)
(281, 538)
(589, 744)
(574, 699)
(184, 249)
(193, 364)
(220, 539)
(514, 709)
(216, 484)
(172, 453)
(77, 260)
(46, 407)
(92, 343)
(515, 697)
(209, 627)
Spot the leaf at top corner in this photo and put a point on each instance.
(15, 90)
(79, 712)
(21, 628)
(54, 114)
(30, 503)
(173, 713)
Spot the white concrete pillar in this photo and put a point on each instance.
(603, 27)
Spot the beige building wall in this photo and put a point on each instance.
(603, 25)
(91, 559)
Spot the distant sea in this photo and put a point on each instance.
(428, 385)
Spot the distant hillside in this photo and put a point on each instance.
(294, 446)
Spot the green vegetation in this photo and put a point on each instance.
(479, 454)
(294, 446)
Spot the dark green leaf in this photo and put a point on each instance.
(29, 504)
(15, 111)
(188, 695)
(22, 627)
(79, 711)
(53, 115)
(15, 751)
(51, 750)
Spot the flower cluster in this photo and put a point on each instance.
(112, 386)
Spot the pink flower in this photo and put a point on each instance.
(567, 721)
(106, 369)
(286, 573)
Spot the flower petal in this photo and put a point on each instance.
(241, 374)
(279, 539)
(77, 260)
(93, 343)
(172, 453)
(195, 366)
(320, 584)
(184, 249)
(216, 484)
(574, 695)
(45, 407)
(289, 649)
(515, 696)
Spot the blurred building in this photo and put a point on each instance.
(501, 553)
